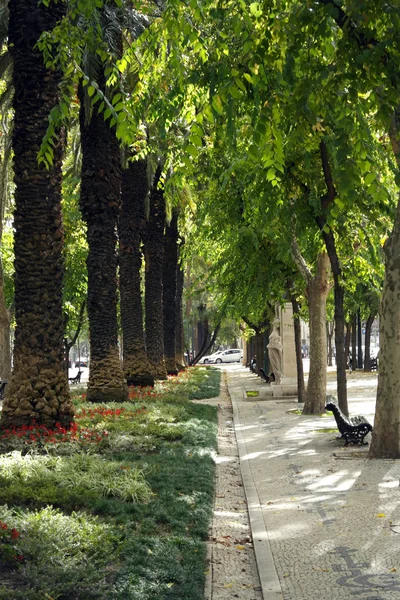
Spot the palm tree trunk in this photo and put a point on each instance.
(154, 257)
(100, 205)
(39, 387)
(169, 291)
(131, 226)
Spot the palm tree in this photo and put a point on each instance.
(131, 226)
(154, 256)
(100, 204)
(39, 387)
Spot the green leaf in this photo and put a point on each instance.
(240, 85)
(196, 140)
(217, 104)
(254, 8)
(369, 178)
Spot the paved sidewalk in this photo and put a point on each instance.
(325, 519)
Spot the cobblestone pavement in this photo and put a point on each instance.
(331, 515)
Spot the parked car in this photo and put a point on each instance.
(211, 357)
(81, 363)
(227, 356)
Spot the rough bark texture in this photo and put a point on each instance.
(131, 227)
(169, 291)
(317, 293)
(5, 329)
(100, 204)
(39, 387)
(386, 434)
(154, 254)
(179, 336)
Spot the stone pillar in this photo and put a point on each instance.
(288, 384)
(289, 366)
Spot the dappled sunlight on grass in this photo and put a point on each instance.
(133, 506)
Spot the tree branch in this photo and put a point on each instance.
(332, 193)
(80, 323)
(299, 260)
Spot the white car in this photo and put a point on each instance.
(211, 357)
(227, 356)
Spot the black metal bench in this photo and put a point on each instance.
(353, 429)
(267, 378)
(374, 364)
(76, 379)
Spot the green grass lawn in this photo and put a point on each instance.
(119, 506)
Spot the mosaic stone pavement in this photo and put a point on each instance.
(332, 516)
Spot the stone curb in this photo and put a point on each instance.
(270, 585)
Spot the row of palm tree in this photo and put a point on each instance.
(38, 389)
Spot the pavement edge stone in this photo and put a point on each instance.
(270, 584)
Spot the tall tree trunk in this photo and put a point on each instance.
(329, 333)
(154, 257)
(330, 245)
(131, 228)
(259, 350)
(317, 293)
(169, 291)
(69, 343)
(359, 341)
(100, 204)
(347, 340)
(367, 353)
(203, 335)
(354, 341)
(386, 433)
(39, 387)
(317, 290)
(301, 390)
(6, 315)
(179, 335)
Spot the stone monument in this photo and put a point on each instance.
(286, 384)
(275, 352)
